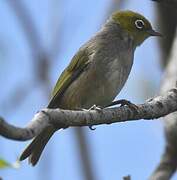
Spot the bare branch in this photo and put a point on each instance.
(168, 164)
(169, 2)
(15, 133)
(85, 155)
(169, 31)
(27, 23)
(40, 56)
(127, 177)
(59, 118)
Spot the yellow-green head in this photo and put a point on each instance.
(135, 24)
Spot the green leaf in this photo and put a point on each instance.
(4, 164)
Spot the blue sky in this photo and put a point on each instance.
(117, 150)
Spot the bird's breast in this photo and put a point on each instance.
(114, 79)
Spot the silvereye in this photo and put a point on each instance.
(97, 72)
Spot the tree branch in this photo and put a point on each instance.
(59, 118)
(168, 2)
(168, 164)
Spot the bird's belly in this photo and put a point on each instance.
(98, 87)
(113, 82)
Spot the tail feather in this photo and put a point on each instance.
(34, 150)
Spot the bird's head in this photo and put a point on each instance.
(135, 25)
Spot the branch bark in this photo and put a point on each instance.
(168, 2)
(168, 164)
(59, 118)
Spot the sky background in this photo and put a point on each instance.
(132, 148)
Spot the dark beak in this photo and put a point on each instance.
(151, 32)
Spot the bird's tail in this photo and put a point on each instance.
(35, 148)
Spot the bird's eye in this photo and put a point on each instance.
(139, 24)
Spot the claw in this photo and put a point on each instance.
(92, 128)
(94, 107)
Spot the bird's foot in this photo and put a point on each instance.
(124, 102)
(83, 109)
(97, 108)
(94, 107)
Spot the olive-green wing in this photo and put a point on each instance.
(78, 63)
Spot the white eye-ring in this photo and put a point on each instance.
(139, 24)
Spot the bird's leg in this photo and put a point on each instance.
(94, 107)
(97, 108)
(123, 102)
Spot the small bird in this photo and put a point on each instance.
(97, 72)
